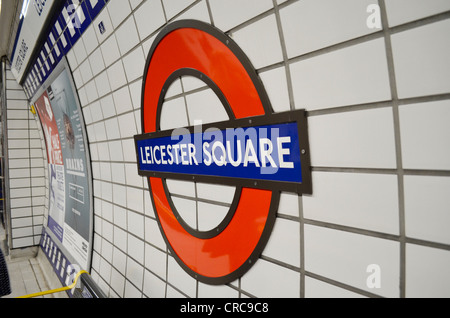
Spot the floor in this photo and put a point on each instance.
(25, 273)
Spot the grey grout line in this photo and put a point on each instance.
(398, 147)
(211, 17)
(301, 223)
(336, 283)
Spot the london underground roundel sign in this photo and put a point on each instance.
(257, 151)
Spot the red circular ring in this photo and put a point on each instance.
(195, 45)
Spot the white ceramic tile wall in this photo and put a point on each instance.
(356, 74)
(378, 107)
(422, 66)
(424, 127)
(403, 11)
(423, 222)
(427, 272)
(345, 257)
(358, 204)
(311, 25)
(26, 169)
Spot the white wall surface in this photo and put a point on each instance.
(378, 102)
(24, 160)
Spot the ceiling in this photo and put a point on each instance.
(9, 9)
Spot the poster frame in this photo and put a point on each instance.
(59, 69)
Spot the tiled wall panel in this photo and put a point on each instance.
(311, 25)
(356, 74)
(424, 126)
(357, 204)
(404, 11)
(328, 253)
(422, 65)
(423, 222)
(426, 272)
(377, 100)
(25, 164)
(353, 139)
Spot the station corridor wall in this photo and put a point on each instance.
(26, 189)
(374, 79)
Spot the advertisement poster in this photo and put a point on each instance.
(69, 188)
